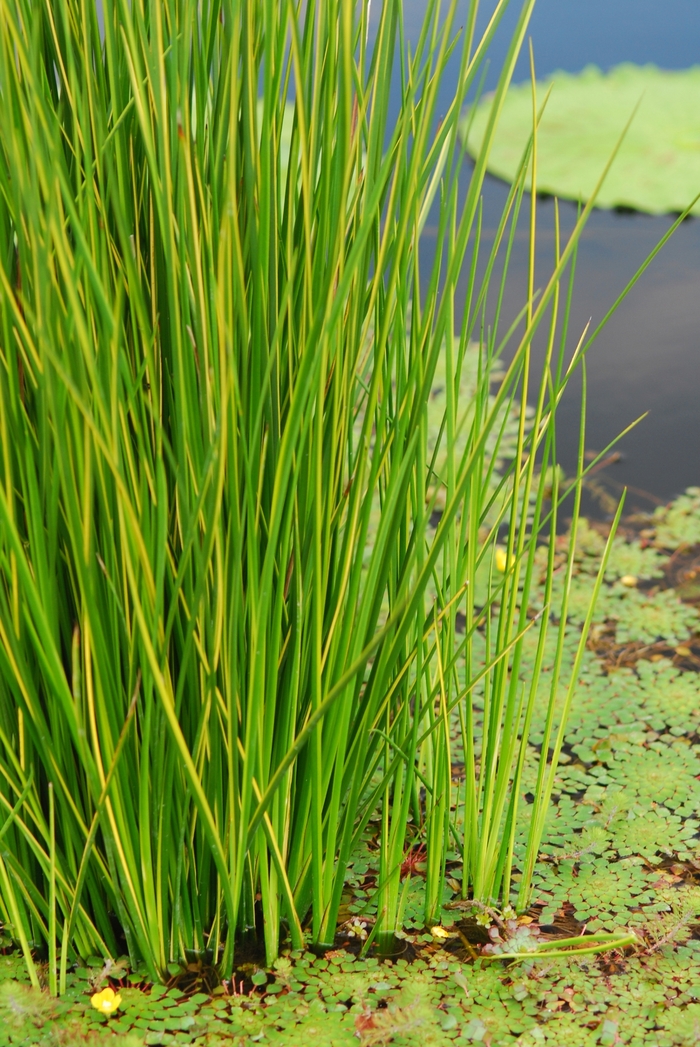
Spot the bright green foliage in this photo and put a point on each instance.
(652, 1001)
(657, 168)
(679, 523)
(252, 481)
(681, 1026)
(228, 615)
(639, 616)
(589, 546)
(650, 998)
(648, 619)
(601, 892)
(631, 558)
(658, 774)
(22, 1009)
(653, 833)
(625, 706)
(670, 698)
(502, 439)
(621, 820)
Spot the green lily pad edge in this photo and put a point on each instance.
(657, 168)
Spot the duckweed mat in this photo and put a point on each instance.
(621, 850)
(657, 168)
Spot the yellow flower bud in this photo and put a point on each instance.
(106, 1001)
(502, 561)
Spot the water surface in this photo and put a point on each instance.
(648, 357)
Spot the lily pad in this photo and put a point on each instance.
(657, 168)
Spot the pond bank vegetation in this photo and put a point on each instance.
(621, 851)
(313, 706)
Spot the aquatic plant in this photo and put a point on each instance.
(239, 611)
(657, 168)
(648, 996)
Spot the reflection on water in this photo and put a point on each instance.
(648, 357)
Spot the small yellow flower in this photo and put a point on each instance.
(440, 932)
(629, 580)
(502, 560)
(106, 1001)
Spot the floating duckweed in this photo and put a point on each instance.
(679, 523)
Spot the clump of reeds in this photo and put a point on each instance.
(228, 635)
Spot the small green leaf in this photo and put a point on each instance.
(474, 1030)
(608, 1035)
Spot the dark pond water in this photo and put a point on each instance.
(648, 358)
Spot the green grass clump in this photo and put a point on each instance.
(228, 635)
(620, 849)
